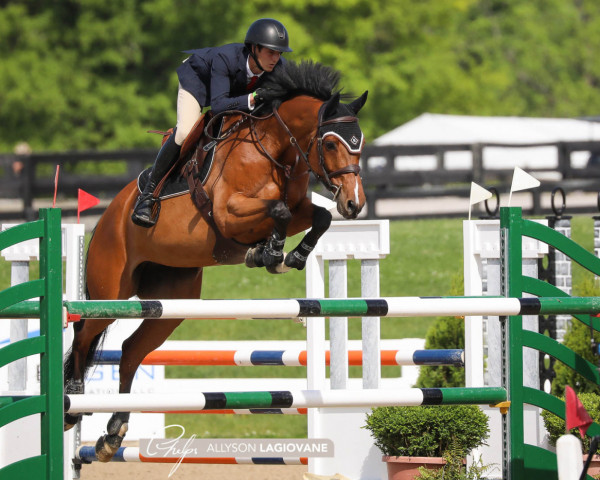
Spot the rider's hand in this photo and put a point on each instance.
(259, 95)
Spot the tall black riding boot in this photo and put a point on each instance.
(168, 154)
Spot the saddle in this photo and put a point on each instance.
(188, 175)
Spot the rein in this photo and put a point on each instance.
(324, 178)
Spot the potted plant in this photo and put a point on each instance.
(412, 437)
(556, 427)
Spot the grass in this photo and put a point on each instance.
(425, 260)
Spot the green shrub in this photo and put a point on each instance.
(445, 333)
(556, 425)
(427, 431)
(455, 468)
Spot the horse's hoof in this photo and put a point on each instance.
(108, 445)
(279, 268)
(70, 421)
(254, 257)
(104, 451)
(295, 260)
(271, 258)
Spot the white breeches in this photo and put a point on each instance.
(188, 113)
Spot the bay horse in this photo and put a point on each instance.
(258, 187)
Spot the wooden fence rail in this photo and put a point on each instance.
(389, 172)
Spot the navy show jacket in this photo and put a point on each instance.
(216, 76)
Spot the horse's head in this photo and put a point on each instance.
(339, 144)
(334, 149)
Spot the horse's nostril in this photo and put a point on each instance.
(351, 206)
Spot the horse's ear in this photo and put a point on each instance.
(331, 106)
(357, 104)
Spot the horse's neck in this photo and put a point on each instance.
(300, 116)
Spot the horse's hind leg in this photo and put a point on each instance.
(88, 335)
(156, 282)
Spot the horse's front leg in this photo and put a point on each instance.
(306, 215)
(321, 220)
(270, 253)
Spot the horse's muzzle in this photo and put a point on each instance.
(349, 210)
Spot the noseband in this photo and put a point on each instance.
(325, 177)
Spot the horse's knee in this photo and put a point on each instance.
(321, 219)
(279, 212)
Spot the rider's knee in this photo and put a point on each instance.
(181, 133)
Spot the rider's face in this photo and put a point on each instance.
(268, 58)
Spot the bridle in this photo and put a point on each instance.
(324, 176)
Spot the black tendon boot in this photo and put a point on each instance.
(168, 154)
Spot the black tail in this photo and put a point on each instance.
(69, 365)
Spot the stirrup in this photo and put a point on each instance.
(151, 220)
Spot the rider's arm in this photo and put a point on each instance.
(220, 87)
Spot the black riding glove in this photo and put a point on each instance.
(263, 95)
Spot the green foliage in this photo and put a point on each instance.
(427, 431)
(445, 333)
(578, 339)
(455, 469)
(83, 74)
(556, 426)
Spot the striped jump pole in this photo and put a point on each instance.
(87, 454)
(288, 358)
(295, 308)
(283, 399)
(242, 411)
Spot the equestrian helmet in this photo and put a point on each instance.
(269, 33)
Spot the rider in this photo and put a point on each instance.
(224, 78)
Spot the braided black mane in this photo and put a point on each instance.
(304, 78)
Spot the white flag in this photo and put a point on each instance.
(479, 194)
(322, 201)
(522, 181)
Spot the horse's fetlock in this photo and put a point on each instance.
(271, 257)
(117, 425)
(114, 441)
(295, 260)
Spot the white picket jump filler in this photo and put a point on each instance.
(482, 277)
(367, 241)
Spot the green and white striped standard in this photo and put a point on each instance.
(283, 399)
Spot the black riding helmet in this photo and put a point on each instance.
(269, 33)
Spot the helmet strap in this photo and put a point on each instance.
(255, 58)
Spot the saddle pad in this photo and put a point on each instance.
(176, 184)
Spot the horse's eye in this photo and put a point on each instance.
(331, 146)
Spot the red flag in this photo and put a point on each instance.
(85, 201)
(576, 414)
